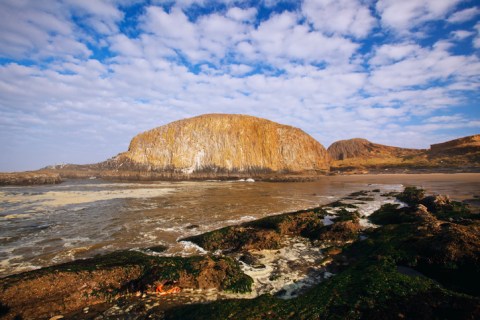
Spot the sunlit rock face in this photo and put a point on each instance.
(225, 143)
(457, 147)
(358, 148)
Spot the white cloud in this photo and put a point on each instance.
(240, 69)
(291, 67)
(462, 34)
(443, 119)
(422, 66)
(44, 29)
(281, 38)
(210, 37)
(123, 45)
(173, 30)
(241, 15)
(464, 15)
(390, 53)
(26, 28)
(476, 40)
(343, 17)
(101, 15)
(404, 15)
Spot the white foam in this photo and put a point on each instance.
(239, 220)
(285, 269)
(327, 220)
(15, 264)
(63, 198)
(190, 248)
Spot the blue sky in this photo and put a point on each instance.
(78, 79)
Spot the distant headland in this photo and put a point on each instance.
(232, 146)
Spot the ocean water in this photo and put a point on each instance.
(46, 225)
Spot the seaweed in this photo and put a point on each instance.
(371, 285)
(390, 214)
(411, 195)
(340, 204)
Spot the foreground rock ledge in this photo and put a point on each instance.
(72, 286)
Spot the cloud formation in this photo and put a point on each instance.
(78, 79)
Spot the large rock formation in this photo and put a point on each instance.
(224, 143)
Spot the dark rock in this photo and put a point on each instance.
(29, 178)
(411, 195)
(73, 286)
(158, 249)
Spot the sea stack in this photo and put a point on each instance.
(224, 143)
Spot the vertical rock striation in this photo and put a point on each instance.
(224, 143)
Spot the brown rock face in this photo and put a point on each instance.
(224, 143)
(29, 178)
(362, 148)
(457, 146)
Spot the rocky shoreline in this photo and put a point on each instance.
(55, 176)
(417, 256)
(29, 178)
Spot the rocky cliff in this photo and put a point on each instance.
(362, 148)
(223, 143)
(457, 146)
(355, 155)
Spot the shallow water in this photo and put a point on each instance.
(45, 225)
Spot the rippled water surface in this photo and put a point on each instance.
(44, 225)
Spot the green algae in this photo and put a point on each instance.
(371, 286)
(340, 204)
(153, 268)
(411, 195)
(262, 233)
(390, 214)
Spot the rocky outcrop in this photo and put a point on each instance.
(223, 143)
(456, 146)
(29, 178)
(362, 148)
(360, 155)
(62, 289)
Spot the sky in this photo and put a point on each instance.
(80, 78)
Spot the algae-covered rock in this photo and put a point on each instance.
(265, 233)
(443, 257)
(72, 286)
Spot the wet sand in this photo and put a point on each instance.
(459, 186)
